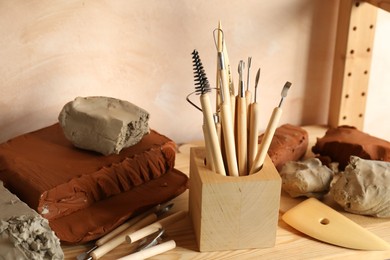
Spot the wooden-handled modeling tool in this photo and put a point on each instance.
(241, 125)
(227, 121)
(320, 221)
(120, 238)
(154, 227)
(269, 132)
(202, 87)
(254, 111)
(151, 251)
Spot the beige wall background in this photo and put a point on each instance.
(140, 51)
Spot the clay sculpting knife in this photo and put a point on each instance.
(248, 94)
(321, 222)
(269, 132)
(202, 88)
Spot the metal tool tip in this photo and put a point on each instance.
(258, 75)
(285, 89)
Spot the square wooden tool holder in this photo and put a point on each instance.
(233, 212)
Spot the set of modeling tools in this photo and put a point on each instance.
(231, 130)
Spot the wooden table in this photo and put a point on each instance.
(290, 244)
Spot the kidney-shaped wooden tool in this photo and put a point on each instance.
(320, 221)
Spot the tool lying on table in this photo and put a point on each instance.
(117, 236)
(150, 246)
(154, 227)
(320, 221)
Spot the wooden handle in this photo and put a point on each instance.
(266, 141)
(154, 227)
(228, 137)
(152, 251)
(120, 229)
(213, 145)
(248, 100)
(113, 243)
(144, 232)
(209, 158)
(241, 138)
(253, 133)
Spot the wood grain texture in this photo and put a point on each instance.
(290, 244)
(383, 4)
(233, 212)
(352, 62)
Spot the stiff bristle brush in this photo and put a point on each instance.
(202, 88)
(269, 132)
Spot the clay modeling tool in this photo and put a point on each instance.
(227, 119)
(248, 94)
(151, 251)
(202, 88)
(241, 125)
(321, 222)
(112, 243)
(269, 132)
(154, 227)
(254, 111)
(221, 45)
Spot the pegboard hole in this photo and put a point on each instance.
(365, 72)
(360, 115)
(349, 74)
(357, 4)
(363, 94)
(344, 117)
(371, 26)
(354, 28)
(352, 51)
(368, 49)
(346, 96)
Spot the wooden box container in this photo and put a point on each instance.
(233, 212)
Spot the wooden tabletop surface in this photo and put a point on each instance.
(290, 244)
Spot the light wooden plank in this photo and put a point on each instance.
(383, 4)
(352, 61)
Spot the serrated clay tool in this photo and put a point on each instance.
(269, 132)
(202, 88)
(321, 222)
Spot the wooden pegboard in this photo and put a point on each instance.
(352, 62)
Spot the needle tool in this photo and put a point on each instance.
(241, 124)
(254, 111)
(269, 132)
(227, 121)
(227, 117)
(202, 88)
